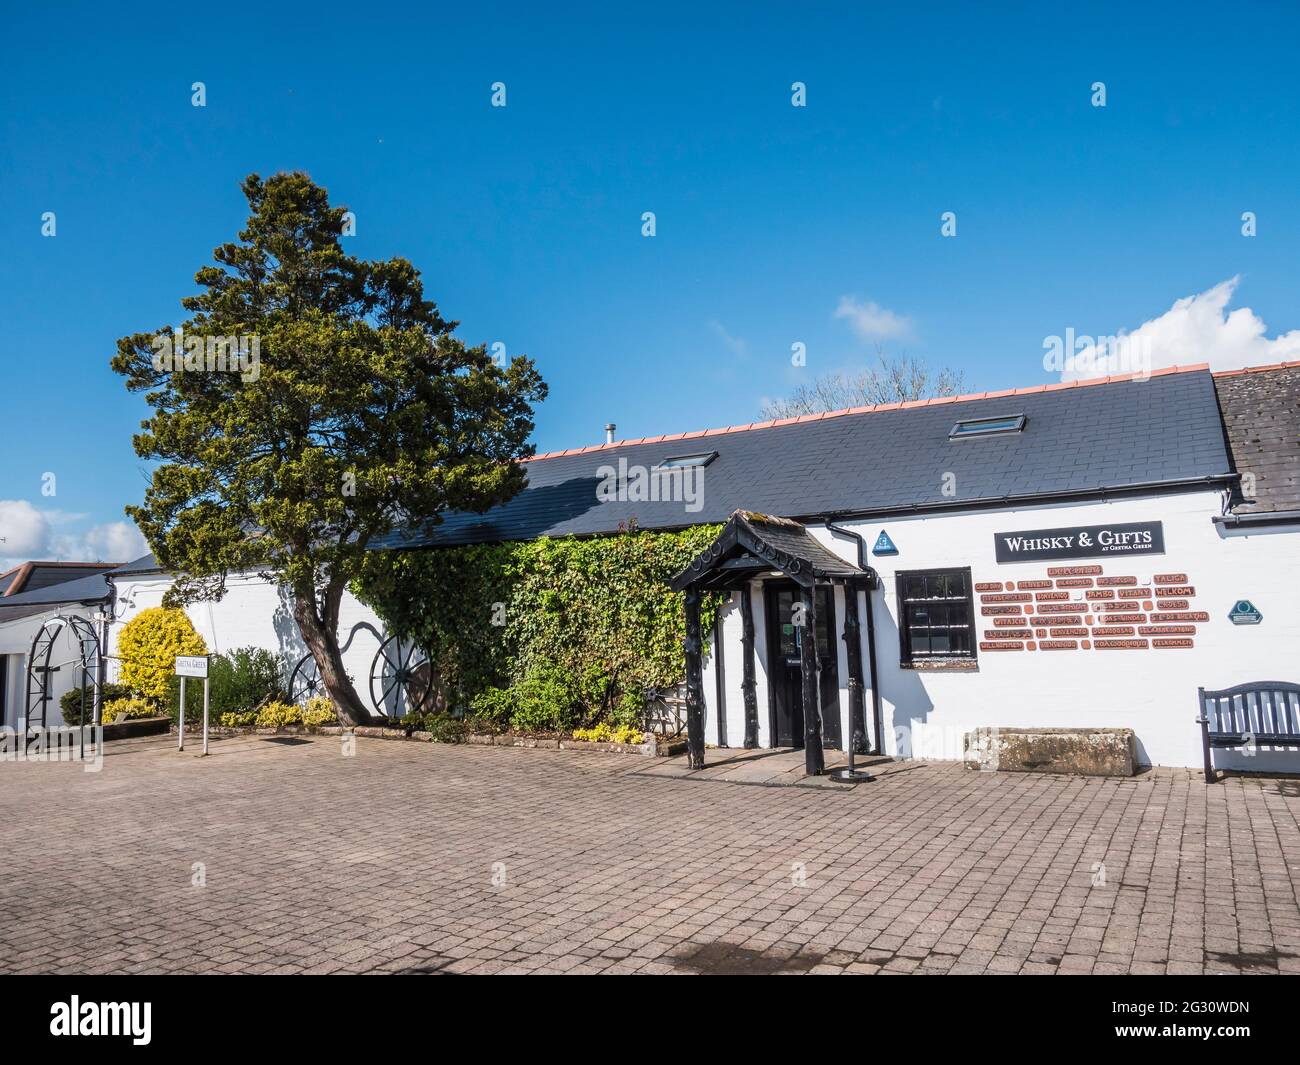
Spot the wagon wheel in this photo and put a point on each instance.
(400, 678)
(305, 682)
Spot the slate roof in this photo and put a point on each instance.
(1261, 419)
(1080, 438)
(776, 543)
(31, 576)
(91, 589)
(143, 564)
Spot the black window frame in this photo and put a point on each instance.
(908, 658)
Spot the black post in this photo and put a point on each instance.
(748, 684)
(877, 718)
(814, 759)
(694, 683)
(720, 679)
(853, 645)
(857, 712)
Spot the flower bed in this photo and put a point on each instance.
(653, 747)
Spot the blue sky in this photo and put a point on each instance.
(526, 220)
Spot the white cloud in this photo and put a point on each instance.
(116, 541)
(872, 321)
(27, 533)
(1195, 329)
(24, 530)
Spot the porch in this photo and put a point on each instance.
(803, 587)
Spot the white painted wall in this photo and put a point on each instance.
(1153, 692)
(253, 613)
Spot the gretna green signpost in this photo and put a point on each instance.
(192, 666)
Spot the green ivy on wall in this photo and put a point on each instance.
(596, 610)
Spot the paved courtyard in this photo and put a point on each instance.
(408, 857)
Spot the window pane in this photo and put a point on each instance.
(936, 614)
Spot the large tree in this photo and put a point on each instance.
(352, 411)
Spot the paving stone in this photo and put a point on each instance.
(485, 859)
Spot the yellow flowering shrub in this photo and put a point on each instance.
(318, 711)
(607, 733)
(277, 714)
(115, 708)
(148, 645)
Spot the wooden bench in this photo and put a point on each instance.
(1265, 713)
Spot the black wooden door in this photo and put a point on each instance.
(784, 638)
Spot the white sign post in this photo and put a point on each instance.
(192, 666)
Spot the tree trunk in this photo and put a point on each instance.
(322, 641)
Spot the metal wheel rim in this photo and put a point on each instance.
(305, 682)
(394, 666)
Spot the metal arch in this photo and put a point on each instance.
(39, 684)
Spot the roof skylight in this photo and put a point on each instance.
(1012, 423)
(676, 462)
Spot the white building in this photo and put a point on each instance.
(1061, 556)
(1065, 556)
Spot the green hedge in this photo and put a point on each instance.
(551, 633)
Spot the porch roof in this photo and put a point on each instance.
(752, 543)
